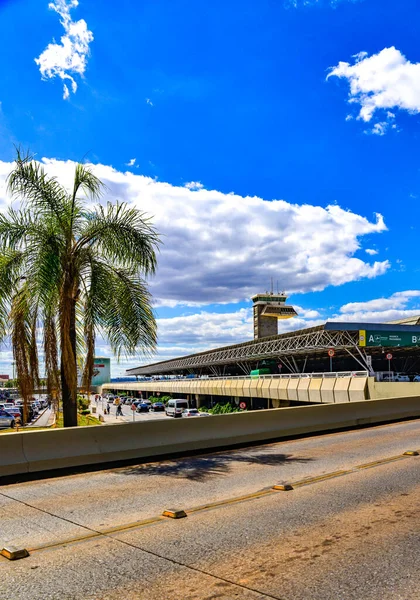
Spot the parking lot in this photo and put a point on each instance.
(128, 415)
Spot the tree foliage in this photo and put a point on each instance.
(74, 269)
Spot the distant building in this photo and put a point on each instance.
(3, 380)
(101, 371)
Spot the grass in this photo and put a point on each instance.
(82, 421)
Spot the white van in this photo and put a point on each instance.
(174, 408)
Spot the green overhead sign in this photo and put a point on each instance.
(390, 339)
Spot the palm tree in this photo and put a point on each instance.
(74, 270)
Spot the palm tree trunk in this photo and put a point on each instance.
(69, 365)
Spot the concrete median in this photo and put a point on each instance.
(60, 448)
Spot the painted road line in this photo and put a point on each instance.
(377, 463)
(218, 504)
(109, 531)
(310, 480)
(228, 501)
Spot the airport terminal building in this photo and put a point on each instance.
(302, 360)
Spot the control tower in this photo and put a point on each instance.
(268, 308)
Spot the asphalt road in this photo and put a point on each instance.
(355, 536)
(128, 416)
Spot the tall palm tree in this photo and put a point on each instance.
(74, 270)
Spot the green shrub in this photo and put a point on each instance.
(222, 409)
(85, 411)
(82, 403)
(165, 399)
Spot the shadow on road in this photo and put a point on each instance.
(215, 465)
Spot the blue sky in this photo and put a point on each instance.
(222, 108)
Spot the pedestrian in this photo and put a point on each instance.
(119, 411)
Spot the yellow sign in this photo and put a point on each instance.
(362, 337)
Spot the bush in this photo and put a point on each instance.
(82, 403)
(165, 399)
(222, 409)
(85, 411)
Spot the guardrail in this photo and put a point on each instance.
(34, 451)
(328, 374)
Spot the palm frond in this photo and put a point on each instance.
(122, 235)
(38, 192)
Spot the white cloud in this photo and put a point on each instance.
(149, 102)
(131, 162)
(380, 82)
(379, 306)
(70, 56)
(371, 251)
(222, 248)
(194, 185)
(306, 3)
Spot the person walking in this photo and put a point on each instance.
(119, 411)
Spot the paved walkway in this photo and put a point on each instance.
(43, 420)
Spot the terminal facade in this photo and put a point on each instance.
(334, 350)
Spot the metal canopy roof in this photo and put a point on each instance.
(342, 337)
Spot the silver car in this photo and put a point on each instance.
(6, 420)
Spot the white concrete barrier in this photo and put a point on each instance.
(303, 389)
(327, 389)
(315, 389)
(59, 448)
(292, 388)
(341, 390)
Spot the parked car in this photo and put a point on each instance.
(8, 405)
(16, 412)
(142, 407)
(174, 408)
(158, 406)
(34, 408)
(401, 377)
(416, 378)
(6, 419)
(204, 414)
(190, 412)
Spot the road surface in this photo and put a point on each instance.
(127, 413)
(353, 536)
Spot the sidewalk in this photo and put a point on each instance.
(108, 419)
(43, 419)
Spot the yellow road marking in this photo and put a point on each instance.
(211, 505)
